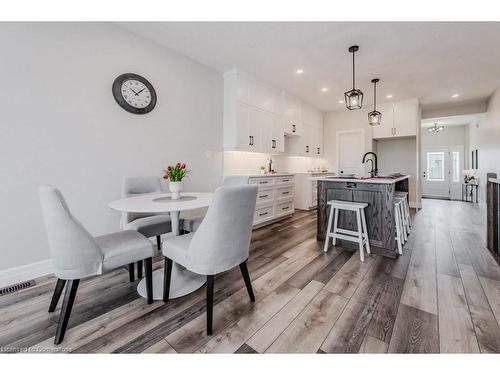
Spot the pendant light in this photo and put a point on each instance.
(436, 128)
(374, 117)
(354, 97)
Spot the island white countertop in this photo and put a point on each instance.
(363, 180)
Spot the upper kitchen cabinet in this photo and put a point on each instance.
(253, 115)
(398, 120)
(310, 140)
(292, 115)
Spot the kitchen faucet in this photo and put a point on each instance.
(373, 172)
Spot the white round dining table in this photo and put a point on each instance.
(183, 281)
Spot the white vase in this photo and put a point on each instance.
(175, 188)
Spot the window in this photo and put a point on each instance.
(455, 166)
(435, 166)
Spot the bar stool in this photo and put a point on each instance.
(406, 209)
(360, 236)
(400, 229)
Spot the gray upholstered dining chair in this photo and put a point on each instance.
(148, 225)
(76, 254)
(221, 242)
(192, 224)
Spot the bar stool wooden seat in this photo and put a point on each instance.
(360, 236)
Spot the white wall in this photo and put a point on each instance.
(399, 155)
(336, 121)
(485, 136)
(61, 125)
(451, 136)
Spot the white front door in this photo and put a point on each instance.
(442, 167)
(350, 150)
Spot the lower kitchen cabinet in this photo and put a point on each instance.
(274, 198)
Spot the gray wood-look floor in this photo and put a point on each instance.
(441, 296)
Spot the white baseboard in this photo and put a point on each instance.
(24, 273)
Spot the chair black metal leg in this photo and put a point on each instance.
(139, 269)
(167, 275)
(248, 282)
(57, 294)
(158, 243)
(69, 299)
(131, 273)
(149, 279)
(210, 303)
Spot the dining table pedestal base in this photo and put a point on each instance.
(183, 282)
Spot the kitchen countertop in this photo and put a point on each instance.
(494, 180)
(364, 180)
(280, 174)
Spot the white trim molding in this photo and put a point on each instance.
(24, 273)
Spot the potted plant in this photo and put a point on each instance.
(469, 177)
(174, 175)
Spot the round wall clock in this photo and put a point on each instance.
(134, 93)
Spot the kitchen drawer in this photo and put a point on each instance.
(263, 214)
(284, 192)
(265, 196)
(285, 208)
(286, 180)
(269, 181)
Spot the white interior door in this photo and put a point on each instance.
(350, 151)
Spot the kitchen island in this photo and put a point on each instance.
(378, 192)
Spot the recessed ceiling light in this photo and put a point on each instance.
(389, 96)
(341, 102)
(324, 89)
(455, 95)
(300, 71)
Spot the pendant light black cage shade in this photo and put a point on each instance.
(353, 98)
(374, 117)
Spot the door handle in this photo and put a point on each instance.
(294, 128)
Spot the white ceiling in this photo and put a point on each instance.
(431, 61)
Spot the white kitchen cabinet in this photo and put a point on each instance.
(398, 120)
(292, 114)
(405, 120)
(310, 140)
(385, 129)
(306, 190)
(253, 115)
(275, 198)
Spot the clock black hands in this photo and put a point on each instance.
(132, 90)
(137, 93)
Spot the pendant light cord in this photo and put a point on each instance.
(353, 76)
(374, 96)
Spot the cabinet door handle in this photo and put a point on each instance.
(263, 213)
(307, 149)
(249, 140)
(285, 180)
(285, 208)
(274, 143)
(263, 196)
(318, 151)
(294, 128)
(285, 192)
